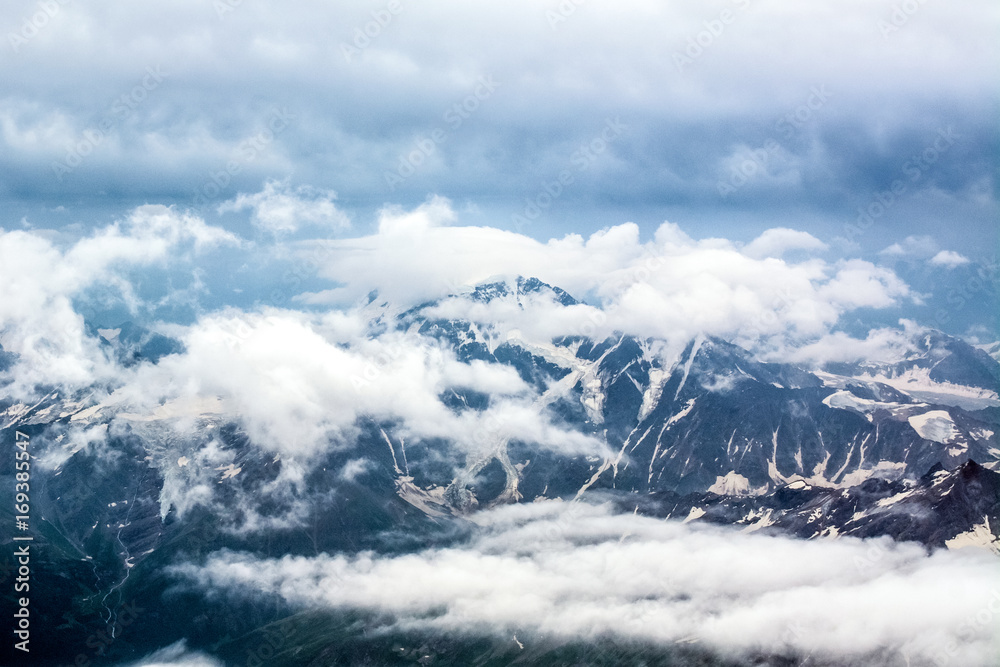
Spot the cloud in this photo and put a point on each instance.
(355, 118)
(575, 571)
(38, 282)
(861, 284)
(281, 208)
(176, 655)
(300, 382)
(355, 468)
(949, 259)
(671, 286)
(435, 212)
(776, 242)
(920, 247)
(880, 345)
(299, 390)
(534, 318)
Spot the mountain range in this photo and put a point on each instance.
(708, 433)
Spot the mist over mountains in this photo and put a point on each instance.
(508, 474)
(500, 333)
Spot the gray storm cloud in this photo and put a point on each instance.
(707, 107)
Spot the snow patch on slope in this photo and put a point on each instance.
(690, 361)
(936, 426)
(657, 378)
(917, 383)
(734, 484)
(695, 513)
(980, 537)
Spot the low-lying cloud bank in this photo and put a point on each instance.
(575, 571)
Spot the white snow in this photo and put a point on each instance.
(197, 406)
(110, 335)
(845, 400)
(607, 463)
(980, 536)
(882, 469)
(695, 513)
(935, 425)
(229, 471)
(429, 501)
(939, 477)
(392, 451)
(917, 383)
(88, 413)
(657, 378)
(731, 484)
(764, 522)
(892, 500)
(699, 339)
(992, 349)
(682, 414)
(981, 433)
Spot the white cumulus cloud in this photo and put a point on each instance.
(949, 259)
(281, 208)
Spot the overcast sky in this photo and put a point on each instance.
(868, 125)
(835, 99)
(799, 176)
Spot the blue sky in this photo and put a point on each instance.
(545, 118)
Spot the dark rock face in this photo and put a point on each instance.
(939, 507)
(717, 411)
